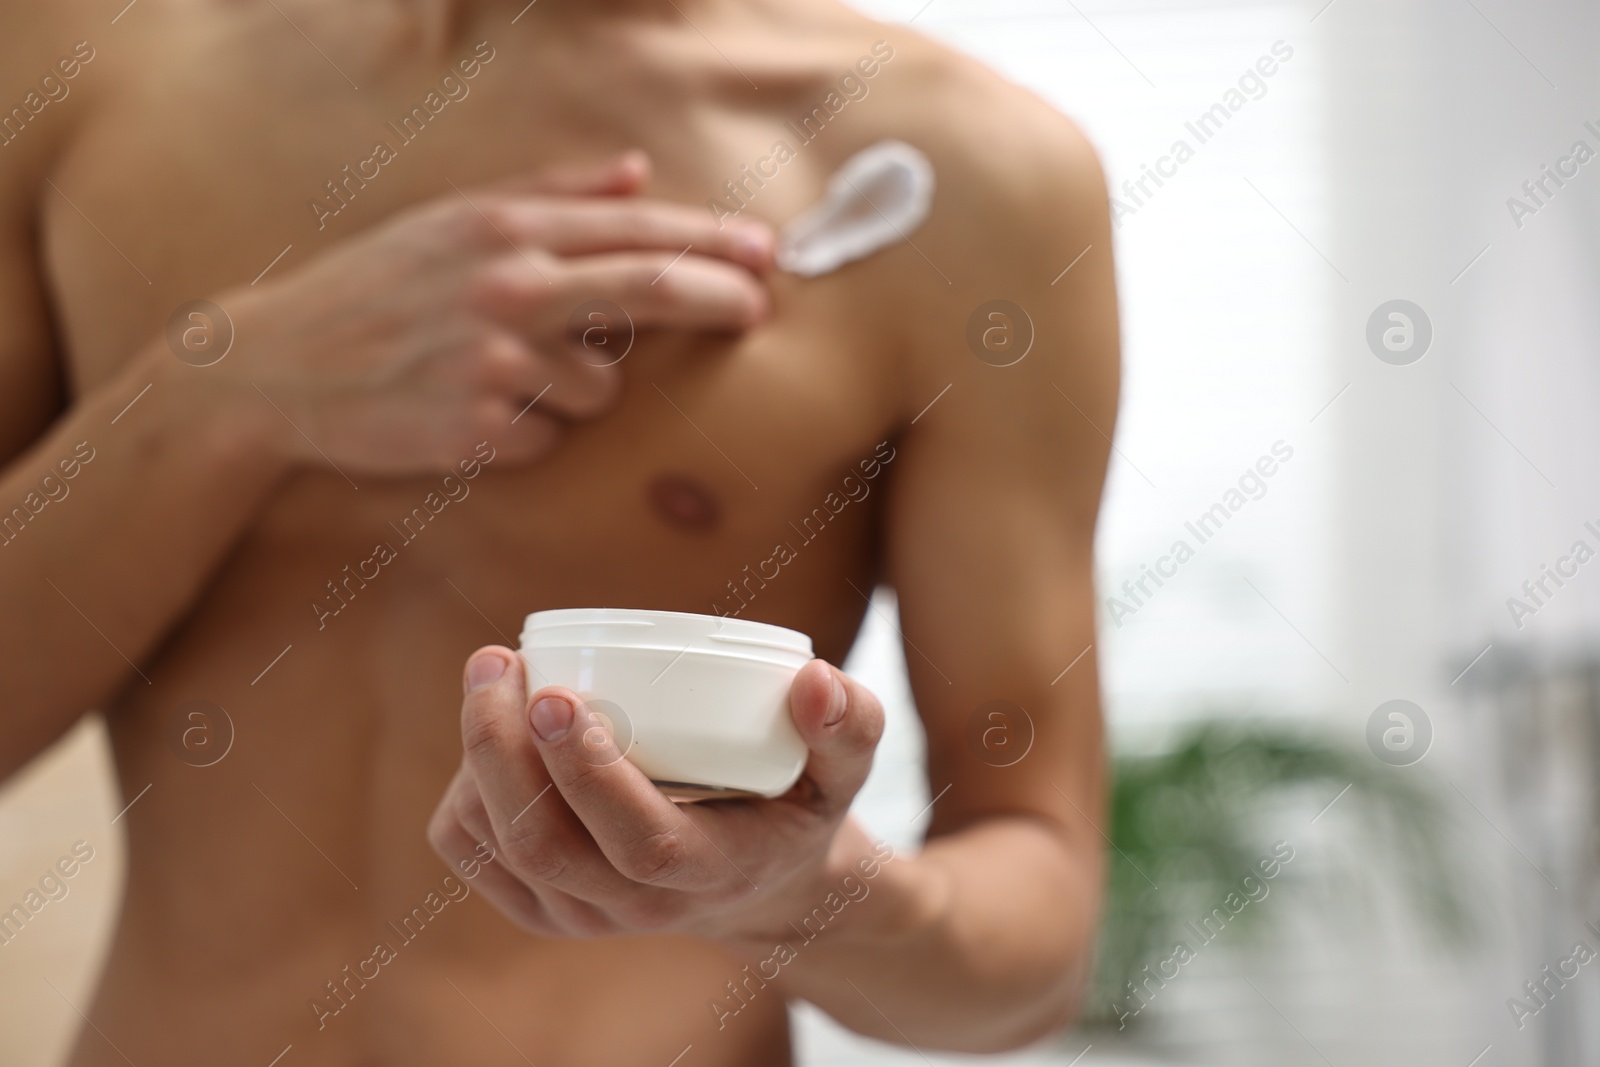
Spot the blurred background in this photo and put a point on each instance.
(1346, 268)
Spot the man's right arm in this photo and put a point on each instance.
(95, 567)
(396, 351)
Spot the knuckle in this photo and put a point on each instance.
(469, 813)
(480, 730)
(578, 783)
(495, 357)
(654, 859)
(494, 217)
(532, 855)
(505, 286)
(460, 224)
(440, 828)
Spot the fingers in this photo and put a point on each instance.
(841, 722)
(661, 291)
(590, 227)
(645, 836)
(458, 847)
(576, 390)
(435, 418)
(517, 431)
(503, 764)
(656, 290)
(620, 175)
(539, 838)
(458, 832)
(561, 382)
(585, 844)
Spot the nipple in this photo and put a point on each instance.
(876, 199)
(683, 501)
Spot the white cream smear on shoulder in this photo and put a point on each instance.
(878, 198)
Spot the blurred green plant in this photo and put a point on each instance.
(1194, 819)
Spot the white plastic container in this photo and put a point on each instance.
(699, 703)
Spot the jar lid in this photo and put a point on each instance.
(636, 628)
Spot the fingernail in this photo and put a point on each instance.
(552, 718)
(484, 670)
(837, 703)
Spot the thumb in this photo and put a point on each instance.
(621, 175)
(840, 721)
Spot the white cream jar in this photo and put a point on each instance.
(699, 703)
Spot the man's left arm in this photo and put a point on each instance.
(982, 940)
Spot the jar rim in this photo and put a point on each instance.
(639, 627)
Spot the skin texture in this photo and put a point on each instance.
(373, 358)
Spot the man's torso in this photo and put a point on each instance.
(256, 881)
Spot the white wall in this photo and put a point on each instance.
(1376, 167)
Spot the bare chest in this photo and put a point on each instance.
(243, 155)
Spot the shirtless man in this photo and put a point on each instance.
(392, 315)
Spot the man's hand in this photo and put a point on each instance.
(398, 350)
(585, 845)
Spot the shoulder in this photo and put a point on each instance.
(986, 135)
(1019, 196)
(991, 127)
(46, 52)
(1010, 167)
